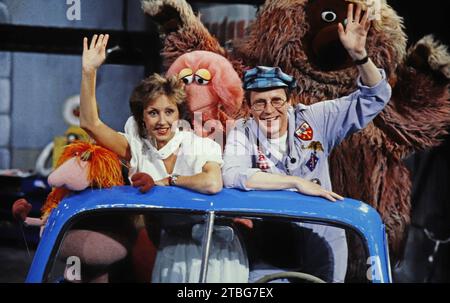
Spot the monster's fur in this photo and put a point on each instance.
(368, 165)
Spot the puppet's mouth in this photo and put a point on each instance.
(328, 53)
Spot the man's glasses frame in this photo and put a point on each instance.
(261, 104)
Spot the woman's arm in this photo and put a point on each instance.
(209, 181)
(353, 38)
(93, 58)
(267, 181)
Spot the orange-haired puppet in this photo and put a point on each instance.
(213, 88)
(80, 166)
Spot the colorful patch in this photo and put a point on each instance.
(305, 132)
(315, 146)
(262, 162)
(312, 162)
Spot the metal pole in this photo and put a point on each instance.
(206, 243)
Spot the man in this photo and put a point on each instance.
(282, 147)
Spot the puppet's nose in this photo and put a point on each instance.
(72, 174)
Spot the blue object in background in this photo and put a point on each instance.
(35, 190)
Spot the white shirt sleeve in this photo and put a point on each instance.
(210, 151)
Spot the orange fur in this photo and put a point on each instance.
(104, 170)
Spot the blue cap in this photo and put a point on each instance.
(262, 77)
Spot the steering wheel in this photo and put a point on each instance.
(290, 275)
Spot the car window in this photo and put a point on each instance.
(117, 247)
(169, 246)
(274, 246)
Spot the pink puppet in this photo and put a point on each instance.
(214, 89)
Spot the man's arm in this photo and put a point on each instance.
(238, 172)
(237, 158)
(344, 116)
(267, 181)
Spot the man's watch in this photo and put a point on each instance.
(362, 61)
(173, 179)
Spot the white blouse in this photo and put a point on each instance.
(192, 153)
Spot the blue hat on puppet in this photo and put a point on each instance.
(262, 77)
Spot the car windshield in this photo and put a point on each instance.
(181, 246)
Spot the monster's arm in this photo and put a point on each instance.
(419, 113)
(184, 31)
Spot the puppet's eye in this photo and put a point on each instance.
(200, 80)
(204, 74)
(72, 137)
(188, 79)
(185, 72)
(329, 16)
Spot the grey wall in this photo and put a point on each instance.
(33, 87)
(5, 99)
(105, 14)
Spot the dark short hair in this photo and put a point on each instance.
(151, 88)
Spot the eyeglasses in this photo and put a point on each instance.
(261, 104)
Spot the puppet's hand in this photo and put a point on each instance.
(244, 222)
(143, 181)
(95, 54)
(354, 36)
(20, 209)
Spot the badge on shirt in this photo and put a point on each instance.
(312, 162)
(305, 132)
(315, 146)
(262, 162)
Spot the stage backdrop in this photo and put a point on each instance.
(33, 87)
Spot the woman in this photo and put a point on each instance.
(152, 143)
(157, 150)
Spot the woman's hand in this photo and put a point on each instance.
(354, 36)
(313, 189)
(95, 54)
(163, 182)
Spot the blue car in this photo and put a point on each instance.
(276, 231)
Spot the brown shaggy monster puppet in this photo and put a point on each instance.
(300, 36)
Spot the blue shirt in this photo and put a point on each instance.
(313, 131)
